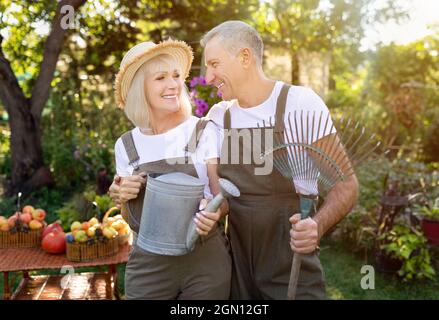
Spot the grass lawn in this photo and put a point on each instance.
(343, 278)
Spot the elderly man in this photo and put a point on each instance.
(263, 230)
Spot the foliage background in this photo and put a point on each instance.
(392, 89)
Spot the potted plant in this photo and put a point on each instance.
(392, 204)
(408, 246)
(429, 215)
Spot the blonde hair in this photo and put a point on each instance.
(137, 108)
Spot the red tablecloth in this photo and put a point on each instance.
(27, 259)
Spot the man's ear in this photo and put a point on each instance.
(245, 57)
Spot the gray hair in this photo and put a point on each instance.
(235, 35)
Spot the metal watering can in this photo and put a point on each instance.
(170, 203)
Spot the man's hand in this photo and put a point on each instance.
(304, 234)
(204, 220)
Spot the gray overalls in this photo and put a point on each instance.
(203, 273)
(259, 226)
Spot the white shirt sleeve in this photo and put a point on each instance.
(210, 143)
(122, 161)
(216, 113)
(309, 117)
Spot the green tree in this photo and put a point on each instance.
(56, 84)
(24, 104)
(46, 71)
(316, 25)
(403, 84)
(187, 20)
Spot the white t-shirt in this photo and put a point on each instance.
(299, 99)
(170, 145)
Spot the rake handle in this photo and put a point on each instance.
(294, 276)
(306, 206)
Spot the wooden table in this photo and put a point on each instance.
(32, 259)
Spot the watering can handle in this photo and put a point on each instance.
(215, 203)
(228, 189)
(192, 235)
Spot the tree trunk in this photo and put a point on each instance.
(28, 170)
(295, 68)
(26, 153)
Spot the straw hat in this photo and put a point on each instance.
(141, 53)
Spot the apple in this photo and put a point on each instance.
(118, 217)
(12, 219)
(28, 209)
(93, 221)
(4, 225)
(25, 217)
(35, 225)
(39, 214)
(109, 232)
(91, 232)
(125, 230)
(110, 221)
(118, 225)
(85, 225)
(81, 236)
(76, 226)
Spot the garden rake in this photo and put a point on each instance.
(315, 157)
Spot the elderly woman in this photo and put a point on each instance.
(167, 138)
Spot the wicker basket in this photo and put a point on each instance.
(31, 239)
(99, 249)
(85, 252)
(123, 239)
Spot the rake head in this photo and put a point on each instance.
(314, 154)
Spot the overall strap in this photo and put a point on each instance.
(227, 117)
(227, 121)
(192, 144)
(279, 125)
(130, 148)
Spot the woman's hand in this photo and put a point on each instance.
(130, 187)
(204, 220)
(124, 189)
(114, 191)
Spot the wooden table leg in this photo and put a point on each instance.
(109, 282)
(6, 289)
(113, 272)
